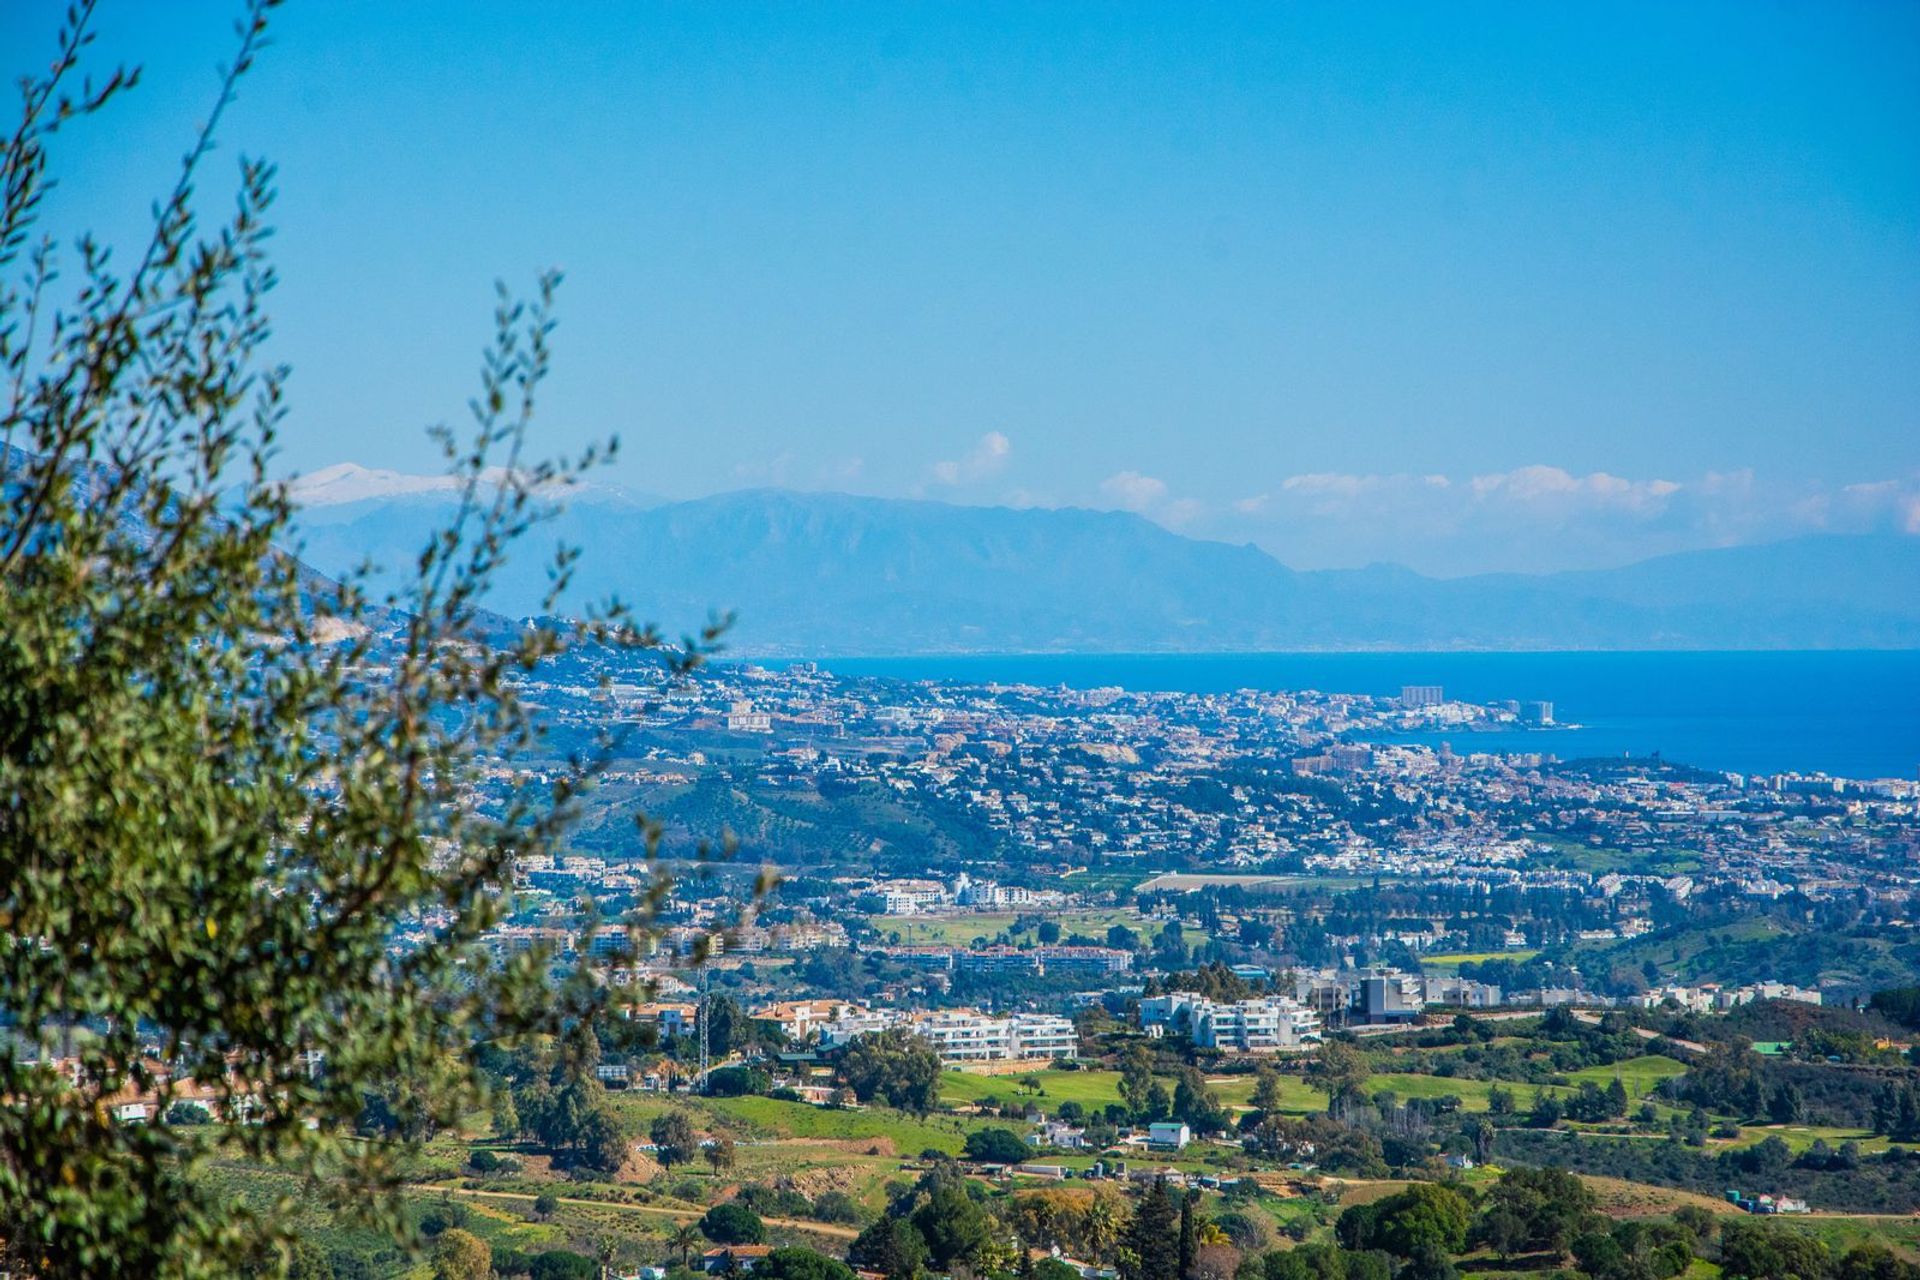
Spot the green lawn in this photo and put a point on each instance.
(1639, 1075)
(1454, 959)
(910, 1136)
(772, 1118)
(962, 930)
(1091, 1089)
(1095, 1089)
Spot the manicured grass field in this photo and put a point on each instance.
(1639, 1075)
(1454, 959)
(963, 930)
(1092, 1089)
(754, 1118)
(909, 1135)
(1096, 1089)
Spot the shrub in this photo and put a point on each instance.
(996, 1146)
(837, 1206)
(735, 1082)
(188, 1113)
(732, 1224)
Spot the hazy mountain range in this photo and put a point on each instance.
(832, 574)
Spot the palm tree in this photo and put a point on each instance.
(1103, 1227)
(684, 1238)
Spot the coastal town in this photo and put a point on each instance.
(1297, 831)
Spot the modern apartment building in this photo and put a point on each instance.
(966, 1035)
(1265, 1024)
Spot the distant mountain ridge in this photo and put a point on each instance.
(815, 574)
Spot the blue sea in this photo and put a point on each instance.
(1850, 714)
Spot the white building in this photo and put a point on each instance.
(1265, 1024)
(965, 1035)
(1170, 1135)
(906, 897)
(742, 718)
(800, 1019)
(1043, 1035)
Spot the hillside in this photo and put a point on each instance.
(816, 574)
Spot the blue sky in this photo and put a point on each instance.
(1465, 286)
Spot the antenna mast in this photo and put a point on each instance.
(703, 1014)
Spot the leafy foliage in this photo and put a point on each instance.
(894, 1066)
(229, 777)
(731, 1223)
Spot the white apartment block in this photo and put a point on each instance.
(964, 1035)
(1042, 1035)
(800, 1019)
(1266, 1024)
(1710, 997)
(905, 897)
(743, 718)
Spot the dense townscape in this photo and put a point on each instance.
(386, 893)
(1026, 967)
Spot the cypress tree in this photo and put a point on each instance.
(1150, 1247)
(1188, 1244)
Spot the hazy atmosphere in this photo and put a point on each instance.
(1463, 289)
(1225, 641)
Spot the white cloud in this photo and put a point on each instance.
(350, 482)
(1542, 517)
(1131, 491)
(987, 458)
(1554, 485)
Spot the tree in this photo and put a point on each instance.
(793, 1263)
(1150, 1246)
(956, 1228)
(1266, 1088)
(1189, 1237)
(1137, 1083)
(1325, 1262)
(1195, 1103)
(725, 1022)
(1871, 1260)
(461, 1255)
(602, 1144)
(731, 1223)
(220, 773)
(1340, 1069)
(719, 1153)
(673, 1137)
(560, 1264)
(995, 1146)
(737, 1082)
(684, 1239)
(1170, 946)
(1753, 1250)
(506, 1116)
(1413, 1224)
(1897, 1004)
(545, 1205)
(308, 1263)
(896, 1066)
(1532, 1209)
(892, 1246)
